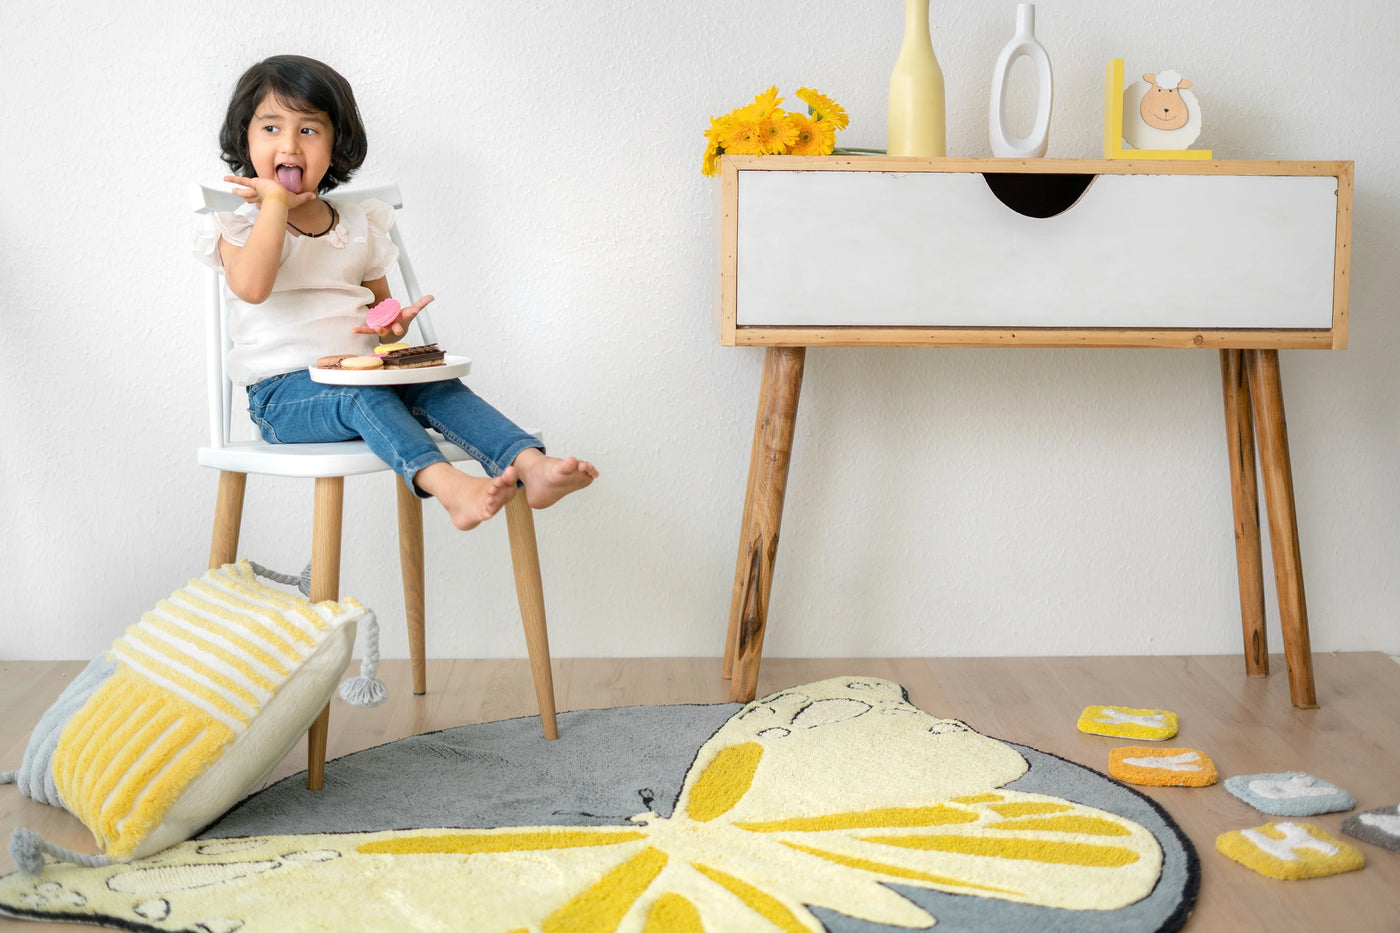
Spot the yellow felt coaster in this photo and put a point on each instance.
(1290, 851)
(1162, 767)
(1150, 725)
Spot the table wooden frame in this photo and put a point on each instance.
(1251, 384)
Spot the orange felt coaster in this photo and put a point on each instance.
(1162, 767)
(1290, 851)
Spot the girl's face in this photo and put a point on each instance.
(291, 146)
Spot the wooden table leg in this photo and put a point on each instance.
(763, 515)
(1244, 492)
(736, 599)
(1266, 389)
(325, 584)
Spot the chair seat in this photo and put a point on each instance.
(344, 458)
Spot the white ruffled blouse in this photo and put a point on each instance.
(318, 296)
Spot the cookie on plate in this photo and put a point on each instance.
(362, 362)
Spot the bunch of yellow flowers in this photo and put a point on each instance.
(763, 128)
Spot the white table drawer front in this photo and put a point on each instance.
(938, 249)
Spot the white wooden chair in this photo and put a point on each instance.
(329, 464)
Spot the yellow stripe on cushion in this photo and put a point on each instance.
(126, 756)
(327, 613)
(724, 781)
(198, 694)
(765, 905)
(293, 610)
(243, 580)
(147, 803)
(76, 735)
(222, 603)
(116, 794)
(132, 717)
(195, 611)
(238, 638)
(603, 905)
(201, 668)
(886, 818)
(240, 602)
(203, 641)
(119, 723)
(897, 871)
(112, 718)
(186, 676)
(979, 798)
(108, 762)
(1033, 850)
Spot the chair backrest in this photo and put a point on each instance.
(206, 200)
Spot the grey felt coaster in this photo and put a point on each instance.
(1290, 793)
(1380, 827)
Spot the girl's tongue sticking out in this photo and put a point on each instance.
(289, 177)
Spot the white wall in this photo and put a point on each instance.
(949, 502)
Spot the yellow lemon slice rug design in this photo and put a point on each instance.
(832, 806)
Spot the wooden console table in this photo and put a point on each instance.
(1246, 258)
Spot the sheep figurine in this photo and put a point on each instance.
(1159, 112)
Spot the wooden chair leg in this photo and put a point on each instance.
(411, 569)
(325, 584)
(1244, 493)
(758, 550)
(525, 558)
(1266, 389)
(228, 519)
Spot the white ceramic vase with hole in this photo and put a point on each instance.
(1023, 43)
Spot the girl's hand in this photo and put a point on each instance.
(400, 326)
(257, 190)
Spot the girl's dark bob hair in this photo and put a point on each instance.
(303, 84)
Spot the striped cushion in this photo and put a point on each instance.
(212, 688)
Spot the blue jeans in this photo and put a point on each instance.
(392, 420)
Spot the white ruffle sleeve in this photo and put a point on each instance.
(233, 226)
(379, 217)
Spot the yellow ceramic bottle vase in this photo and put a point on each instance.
(917, 125)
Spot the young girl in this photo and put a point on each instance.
(303, 270)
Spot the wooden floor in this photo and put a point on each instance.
(1246, 725)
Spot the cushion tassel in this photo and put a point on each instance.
(363, 691)
(302, 582)
(367, 690)
(28, 850)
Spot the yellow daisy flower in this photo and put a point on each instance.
(714, 146)
(762, 107)
(824, 108)
(710, 165)
(814, 137)
(776, 133)
(743, 139)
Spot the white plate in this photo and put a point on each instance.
(454, 367)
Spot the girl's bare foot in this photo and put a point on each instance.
(469, 500)
(549, 479)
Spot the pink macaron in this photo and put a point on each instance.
(383, 314)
